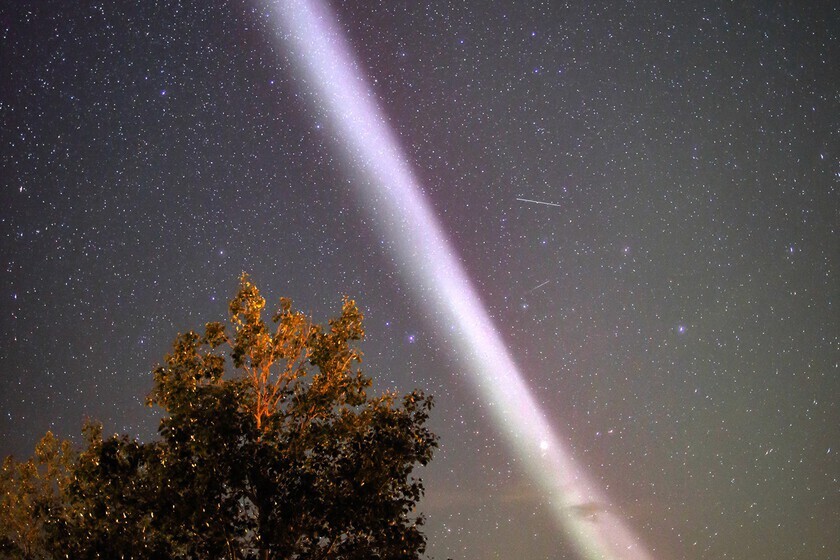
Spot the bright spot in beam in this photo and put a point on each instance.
(394, 196)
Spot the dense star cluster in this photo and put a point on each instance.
(644, 192)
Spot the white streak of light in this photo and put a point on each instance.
(538, 202)
(318, 48)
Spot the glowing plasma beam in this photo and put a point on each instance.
(312, 38)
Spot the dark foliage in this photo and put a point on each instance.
(287, 457)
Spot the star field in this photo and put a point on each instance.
(674, 308)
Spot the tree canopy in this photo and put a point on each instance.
(270, 447)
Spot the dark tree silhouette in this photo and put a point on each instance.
(270, 447)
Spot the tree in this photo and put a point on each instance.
(30, 497)
(270, 447)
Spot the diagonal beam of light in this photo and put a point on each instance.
(317, 47)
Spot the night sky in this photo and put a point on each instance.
(674, 308)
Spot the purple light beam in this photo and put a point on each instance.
(309, 32)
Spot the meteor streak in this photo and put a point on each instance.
(317, 47)
(537, 202)
(535, 288)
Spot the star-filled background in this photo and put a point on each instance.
(674, 307)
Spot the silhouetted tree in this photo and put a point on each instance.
(31, 497)
(270, 448)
